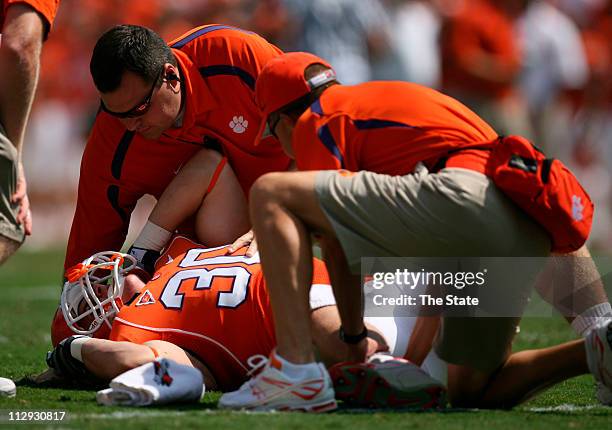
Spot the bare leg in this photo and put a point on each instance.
(571, 283)
(284, 210)
(522, 376)
(7, 248)
(527, 373)
(221, 215)
(286, 255)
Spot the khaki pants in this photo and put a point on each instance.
(8, 182)
(453, 213)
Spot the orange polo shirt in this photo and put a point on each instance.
(384, 127)
(219, 66)
(46, 8)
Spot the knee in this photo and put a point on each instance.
(466, 386)
(266, 187)
(265, 195)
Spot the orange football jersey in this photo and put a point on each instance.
(213, 305)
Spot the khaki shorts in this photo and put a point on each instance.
(8, 181)
(455, 212)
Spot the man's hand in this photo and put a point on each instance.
(24, 215)
(246, 239)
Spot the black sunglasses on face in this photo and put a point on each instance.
(138, 110)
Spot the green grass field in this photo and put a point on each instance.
(29, 285)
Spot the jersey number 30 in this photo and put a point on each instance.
(172, 299)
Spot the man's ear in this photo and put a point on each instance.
(171, 75)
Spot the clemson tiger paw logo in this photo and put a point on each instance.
(238, 124)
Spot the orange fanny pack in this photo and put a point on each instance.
(542, 187)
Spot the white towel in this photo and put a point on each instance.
(161, 381)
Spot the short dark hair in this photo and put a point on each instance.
(296, 108)
(128, 47)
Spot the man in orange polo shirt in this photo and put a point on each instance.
(411, 186)
(24, 26)
(160, 104)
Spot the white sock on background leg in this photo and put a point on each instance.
(591, 318)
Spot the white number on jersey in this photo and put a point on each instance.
(172, 299)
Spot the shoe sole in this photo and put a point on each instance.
(316, 408)
(319, 408)
(359, 385)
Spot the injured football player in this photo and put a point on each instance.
(209, 310)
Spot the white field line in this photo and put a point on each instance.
(144, 413)
(567, 407)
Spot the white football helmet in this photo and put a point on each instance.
(92, 293)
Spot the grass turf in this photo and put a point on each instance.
(29, 285)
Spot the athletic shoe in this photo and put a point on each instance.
(386, 382)
(271, 389)
(598, 345)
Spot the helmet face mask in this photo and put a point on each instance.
(92, 294)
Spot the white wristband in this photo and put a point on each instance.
(77, 345)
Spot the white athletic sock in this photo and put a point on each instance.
(591, 318)
(152, 237)
(297, 371)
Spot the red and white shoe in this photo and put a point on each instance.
(271, 389)
(386, 382)
(598, 345)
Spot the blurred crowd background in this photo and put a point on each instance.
(540, 68)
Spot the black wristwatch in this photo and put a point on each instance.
(353, 339)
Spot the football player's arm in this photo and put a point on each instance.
(107, 359)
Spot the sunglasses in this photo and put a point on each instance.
(140, 109)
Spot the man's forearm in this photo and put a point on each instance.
(107, 359)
